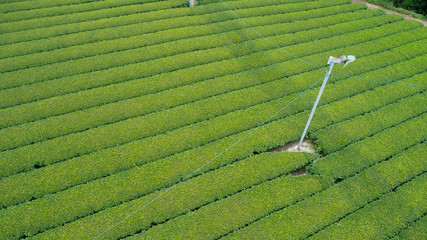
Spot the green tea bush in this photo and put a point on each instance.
(414, 231)
(191, 44)
(381, 218)
(228, 180)
(50, 152)
(100, 116)
(368, 151)
(117, 159)
(30, 10)
(219, 218)
(105, 28)
(49, 89)
(311, 215)
(339, 135)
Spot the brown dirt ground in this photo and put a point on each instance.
(372, 6)
(306, 146)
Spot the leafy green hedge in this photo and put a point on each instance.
(208, 187)
(314, 213)
(55, 150)
(339, 15)
(282, 131)
(49, 89)
(82, 120)
(41, 9)
(119, 60)
(384, 217)
(367, 152)
(219, 218)
(57, 177)
(162, 81)
(415, 231)
(69, 35)
(334, 137)
(124, 13)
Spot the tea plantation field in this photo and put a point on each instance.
(147, 119)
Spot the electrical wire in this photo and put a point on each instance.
(204, 165)
(267, 38)
(249, 133)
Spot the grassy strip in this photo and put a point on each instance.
(57, 177)
(31, 156)
(221, 217)
(415, 231)
(61, 10)
(366, 152)
(227, 181)
(119, 60)
(216, 16)
(185, 45)
(181, 77)
(384, 217)
(306, 217)
(337, 136)
(82, 120)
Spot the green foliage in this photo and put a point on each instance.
(323, 209)
(105, 29)
(418, 6)
(208, 187)
(33, 10)
(57, 177)
(228, 214)
(415, 231)
(339, 135)
(381, 219)
(179, 46)
(369, 151)
(107, 104)
(93, 117)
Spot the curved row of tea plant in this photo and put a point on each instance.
(349, 195)
(102, 62)
(381, 218)
(337, 136)
(268, 166)
(299, 22)
(28, 154)
(32, 41)
(71, 5)
(54, 174)
(26, 133)
(125, 13)
(33, 92)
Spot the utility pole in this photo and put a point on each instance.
(331, 62)
(192, 2)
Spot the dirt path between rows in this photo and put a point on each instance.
(372, 6)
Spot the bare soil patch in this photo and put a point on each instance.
(373, 6)
(306, 146)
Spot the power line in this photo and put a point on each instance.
(267, 38)
(204, 165)
(249, 133)
(300, 59)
